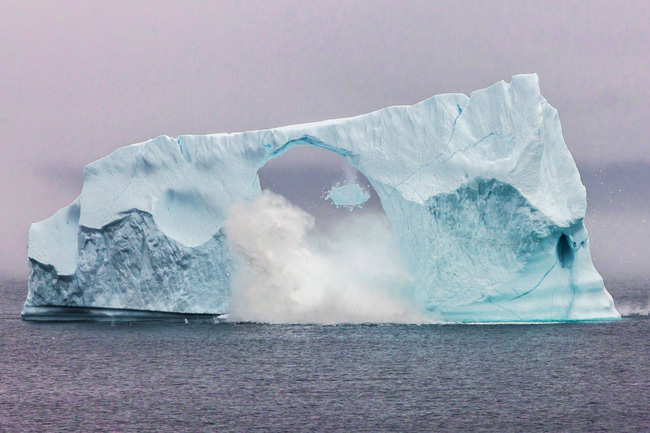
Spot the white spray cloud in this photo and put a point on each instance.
(286, 272)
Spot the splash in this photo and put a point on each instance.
(287, 272)
(628, 309)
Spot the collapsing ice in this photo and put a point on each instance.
(351, 195)
(481, 194)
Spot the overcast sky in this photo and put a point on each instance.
(81, 79)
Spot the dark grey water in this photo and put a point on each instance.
(235, 378)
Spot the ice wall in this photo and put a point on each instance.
(481, 192)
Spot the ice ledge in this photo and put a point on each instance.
(54, 313)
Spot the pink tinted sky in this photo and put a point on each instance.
(80, 79)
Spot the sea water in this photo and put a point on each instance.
(201, 376)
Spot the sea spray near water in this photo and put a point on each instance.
(629, 309)
(287, 272)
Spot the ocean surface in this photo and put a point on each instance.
(173, 377)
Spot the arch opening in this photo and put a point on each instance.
(306, 175)
(302, 259)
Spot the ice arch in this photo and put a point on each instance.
(314, 178)
(477, 189)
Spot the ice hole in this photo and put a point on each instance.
(564, 252)
(304, 175)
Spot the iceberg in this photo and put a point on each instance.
(481, 193)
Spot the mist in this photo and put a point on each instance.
(289, 272)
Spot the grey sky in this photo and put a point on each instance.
(80, 79)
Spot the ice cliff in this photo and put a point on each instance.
(481, 192)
